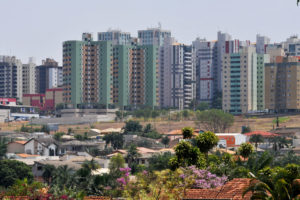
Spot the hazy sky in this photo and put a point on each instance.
(38, 27)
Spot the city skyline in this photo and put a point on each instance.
(33, 24)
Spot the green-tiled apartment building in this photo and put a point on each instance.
(99, 74)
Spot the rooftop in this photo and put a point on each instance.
(232, 190)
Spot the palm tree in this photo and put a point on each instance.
(48, 173)
(275, 184)
(63, 177)
(256, 139)
(132, 156)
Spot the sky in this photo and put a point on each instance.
(37, 28)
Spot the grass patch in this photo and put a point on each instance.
(281, 120)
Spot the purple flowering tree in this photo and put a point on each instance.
(199, 178)
(123, 181)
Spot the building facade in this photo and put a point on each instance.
(153, 36)
(11, 81)
(282, 88)
(29, 77)
(206, 69)
(243, 81)
(49, 75)
(261, 44)
(116, 36)
(99, 74)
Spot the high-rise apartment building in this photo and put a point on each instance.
(99, 73)
(292, 46)
(206, 69)
(177, 74)
(225, 45)
(282, 84)
(116, 36)
(261, 44)
(243, 81)
(29, 77)
(11, 82)
(153, 36)
(48, 75)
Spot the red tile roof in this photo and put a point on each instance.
(96, 198)
(231, 190)
(262, 133)
(20, 142)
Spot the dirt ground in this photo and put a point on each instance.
(264, 124)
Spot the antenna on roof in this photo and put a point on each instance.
(159, 25)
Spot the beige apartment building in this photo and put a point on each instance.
(282, 84)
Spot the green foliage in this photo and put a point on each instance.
(245, 150)
(132, 127)
(116, 140)
(48, 173)
(132, 158)
(3, 147)
(116, 162)
(159, 162)
(187, 132)
(165, 140)
(45, 129)
(187, 155)
(256, 139)
(216, 121)
(120, 115)
(57, 136)
(12, 170)
(206, 141)
(288, 158)
(217, 101)
(25, 188)
(277, 183)
(60, 106)
(81, 137)
(246, 129)
(70, 130)
(202, 106)
(281, 120)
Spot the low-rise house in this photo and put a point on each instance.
(145, 154)
(74, 162)
(233, 140)
(41, 146)
(16, 147)
(81, 146)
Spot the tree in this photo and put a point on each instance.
(187, 132)
(165, 140)
(132, 127)
(48, 173)
(3, 147)
(187, 155)
(246, 129)
(256, 139)
(116, 140)
(60, 106)
(206, 141)
(70, 130)
(277, 184)
(45, 129)
(116, 162)
(245, 150)
(132, 157)
(216, 121)
(203, 106)
(12, 170)
(159, 162)
(57, 136)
